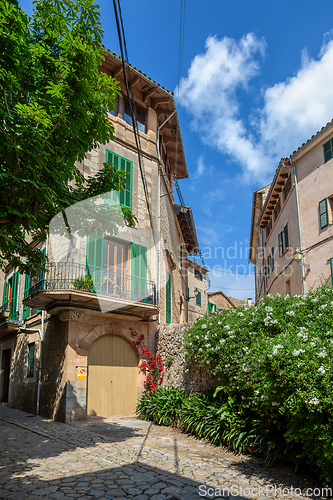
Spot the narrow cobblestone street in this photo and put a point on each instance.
(126, 458)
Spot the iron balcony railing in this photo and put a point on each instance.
(109, 282)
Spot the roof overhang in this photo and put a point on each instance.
(187, 226)
(161, 100)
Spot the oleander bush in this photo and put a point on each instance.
(272, 366)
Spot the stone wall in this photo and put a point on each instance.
(177, 373)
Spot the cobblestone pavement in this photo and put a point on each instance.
(127, 459)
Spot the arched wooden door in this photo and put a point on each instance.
(112, 377)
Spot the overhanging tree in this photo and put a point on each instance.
(54, 105)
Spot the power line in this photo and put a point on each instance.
(129, 90)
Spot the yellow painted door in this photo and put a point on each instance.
(112, 377)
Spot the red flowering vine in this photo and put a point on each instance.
(155, 368)
(153, 365)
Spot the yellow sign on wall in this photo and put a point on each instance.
(81, 372)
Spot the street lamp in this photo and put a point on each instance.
(196, 293)
(298, 257)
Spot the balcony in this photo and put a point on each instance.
(109, 290)
(9, 320)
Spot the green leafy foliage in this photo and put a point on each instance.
(53, 111)
(272, 367)
(84, 283)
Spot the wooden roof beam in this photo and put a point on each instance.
(159, 100)
(148, 94)
(118, 71)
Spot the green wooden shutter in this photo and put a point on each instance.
(323, 213)
(181, 255)
(209, 307)
(331, 262)
(13, 300)
(95, 262)
(286, 237)
(280, 239)
(27, 286)
(5, 293)
(198, 299)
(328, 150)
(214, 308)
(139, 272)
(124, 197)
(168, 298)
(272, 258)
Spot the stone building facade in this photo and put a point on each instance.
(295, 212)
(197, 290)
(71, 344)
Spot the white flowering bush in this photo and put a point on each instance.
(275, 361)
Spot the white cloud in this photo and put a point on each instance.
(291, 112)
(202, 169)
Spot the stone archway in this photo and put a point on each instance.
(112, 377)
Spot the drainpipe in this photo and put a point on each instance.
(298, 216)
(159, 217)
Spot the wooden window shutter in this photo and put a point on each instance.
(214, 308)
(198, 299)
(139, 272)
(181, 255)
(120, 163)
(95, 262)
(323, 213)
(168, 298)
(27, 286)
(280, 239)
(209, 307)
(13, 300)
(328, 150)
(286, 237)
(331, 263)
(5, 293)
(272, 257)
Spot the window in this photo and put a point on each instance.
(31, 360)
(269, 265)
(331, 264)
(323, 213)
(198, 299)
(287, 188)
(124, 197)
(9, 297)
(272, 258)
(168, 298)
(117, 267)
(283, 240)
(328, 150)
(269, 228)
(139, 113)
(181, 256)
(197, 274)
(277, 210)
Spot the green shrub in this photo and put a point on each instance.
(84, 283)
(272, 365)
(161, 406)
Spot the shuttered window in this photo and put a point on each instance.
(117, 267)
(198, 299)
(214, 308)
(323, 213)
(123, 197)
(209, 307)
(13, 299)
(328, 150)
(27, 286)
(31, 360)
(5, 293)
(283, 240)
(168, 298)
(272, 257)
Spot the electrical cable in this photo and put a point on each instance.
(129, 90)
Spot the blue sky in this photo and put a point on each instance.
(257, 82)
